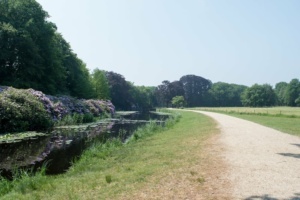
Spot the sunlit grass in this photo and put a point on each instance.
(285, 119)
(112, 170)
(276, 111)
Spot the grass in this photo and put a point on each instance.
(291, 112)
(114, 170)
(285, 119)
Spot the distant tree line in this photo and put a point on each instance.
(34, 55)
(198, 91)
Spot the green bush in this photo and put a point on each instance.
(22, 111)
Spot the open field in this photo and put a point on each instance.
(285, 119)
(276, 111)
(166, 161)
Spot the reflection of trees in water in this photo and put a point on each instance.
(64, 144)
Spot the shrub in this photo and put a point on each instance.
(28, 110)
(99, 107)
(20, 110)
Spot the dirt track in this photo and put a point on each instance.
(262, 163)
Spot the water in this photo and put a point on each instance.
(65, 144)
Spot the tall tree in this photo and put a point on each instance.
(175, 89)
(225, 94)
(162, 93)
(29, 56)
(119, 91)
(259, 96)
(143, 97)
(292, 92)
(100, 84)
(280, 91)
(195, 90)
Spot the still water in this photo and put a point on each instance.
(65, 144)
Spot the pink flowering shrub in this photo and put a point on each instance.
(23, 110)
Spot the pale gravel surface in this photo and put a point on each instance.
(262, 163)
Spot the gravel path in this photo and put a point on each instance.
(263, 163)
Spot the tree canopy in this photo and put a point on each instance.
(259, 96)
(34, 55)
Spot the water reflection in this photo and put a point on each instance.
(64, 144)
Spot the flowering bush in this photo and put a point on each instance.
(2, 88)
(20, 110)
(23, 110)
(100, 107)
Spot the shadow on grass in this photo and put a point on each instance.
(269, 197)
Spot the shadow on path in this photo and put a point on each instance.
(290, 155)
(298, 145)
(269, 197)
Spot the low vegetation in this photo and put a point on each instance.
(285, 119)
(114, 170)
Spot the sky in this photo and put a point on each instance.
(149, 41)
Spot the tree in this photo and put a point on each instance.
(100, 84)
(143, 97)
(225, 94)
(178, 101)
(29, 56)
(119, 91)
(297, 101)
(280, 91)
(162, 93)
(78, 79)
(195, 90)
(167, 90)
(292, 92)
(34, 55)
(259, 96)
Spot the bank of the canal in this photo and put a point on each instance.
(60, 147)
(114, 170)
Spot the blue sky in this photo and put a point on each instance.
(148, 41)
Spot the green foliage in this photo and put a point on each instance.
(225, 94)
(292, 92)
(280, 90)
(34, 55)
(100, 84)
(143, 97)
(108, 179)
(20, 110)
(259, 96)
(119, 91)
(196, 90)
(297, 101)
(23, 181)
(153, 127)
(178, 101)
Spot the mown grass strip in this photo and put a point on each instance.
(285, 119)
(112, 170)
(284, 124)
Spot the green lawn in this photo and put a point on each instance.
(286, 111)
(112, 171)
(285, 119)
